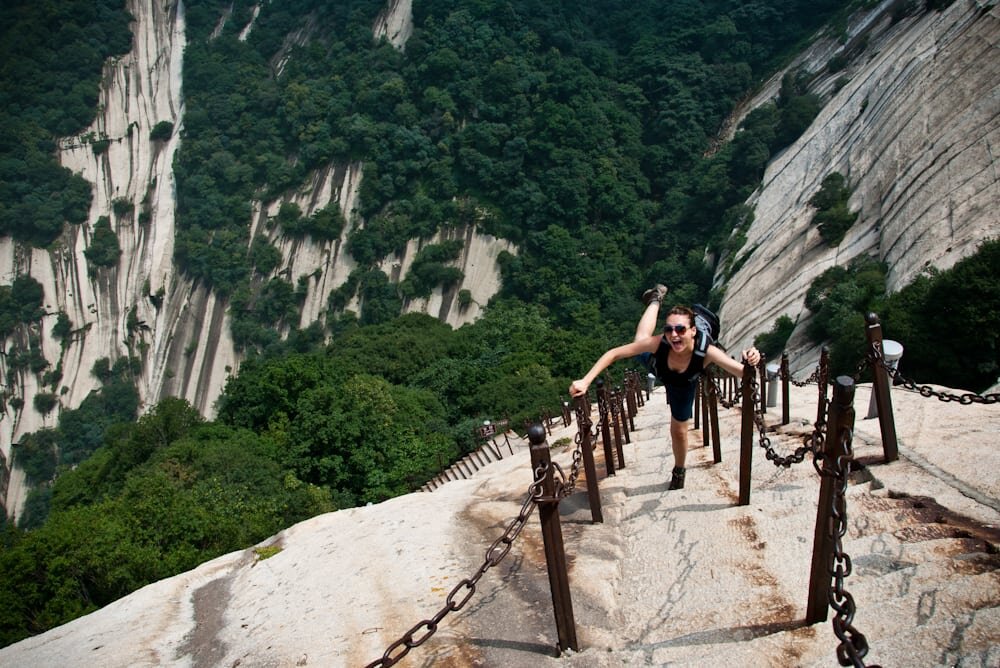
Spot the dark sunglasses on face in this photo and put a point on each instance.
(680, 329)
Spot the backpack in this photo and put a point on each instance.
(707, 324)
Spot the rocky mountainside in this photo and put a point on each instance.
(144, 307)
(680, 578)
(913, 129)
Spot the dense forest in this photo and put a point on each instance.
(584, 133)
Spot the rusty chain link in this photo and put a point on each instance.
(853, 645)
(796, 457)
(965, 398)
(494, 555)
(813, 377)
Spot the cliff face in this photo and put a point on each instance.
(914, 131)
(144, 307)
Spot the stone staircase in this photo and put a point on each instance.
(491, 451)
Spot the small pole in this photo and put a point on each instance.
(555, 554)
(785, 398)
(697, 406)
(841, 421)
(713, 413)
(822, 381)
(582, 405)
(604, 408)
(705, 423)
(762, 379)
(773, 369)
(880, 387)
(746, 435)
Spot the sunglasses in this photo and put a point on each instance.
(680, 329)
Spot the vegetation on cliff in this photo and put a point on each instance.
(580, 131)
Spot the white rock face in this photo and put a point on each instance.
(915, 132)
(184, 342)
(395, 23)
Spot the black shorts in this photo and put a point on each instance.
(680, 398)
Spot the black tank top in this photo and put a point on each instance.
(677, 378)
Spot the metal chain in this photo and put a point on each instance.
(853, 645)
(813, 377)
(927, 391)
(494, 555)
(796, 457)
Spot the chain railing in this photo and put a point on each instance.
(966, 398)
(833, 466)
(797, 457)
(467, 587)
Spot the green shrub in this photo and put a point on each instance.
(122, 206)
(162, 131)
(104, 250)
(832, 215)
(44, 402)
(100, 146)
(772, 344)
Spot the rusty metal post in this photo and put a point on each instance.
(713, 414)
(628, 411)
(761, 371)
(630, 397)
(785, 397)
(697, 406)
(705, 423)
(604, 409)
(620, 406)
(880, 387)
(822, 380)
(566, 415)
(838, 430)
(619, 397)
(555, 554)
(582, 406)
(746, 434)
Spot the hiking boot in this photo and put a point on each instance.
(677, 478)
(654, 294)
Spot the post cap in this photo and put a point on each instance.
(536, 434)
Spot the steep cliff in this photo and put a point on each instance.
(144, 307)
(914, 131)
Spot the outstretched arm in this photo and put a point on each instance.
(647, 345)
(715, 355)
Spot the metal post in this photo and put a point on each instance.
(613, 418)
(697, 406)
(705, 425)
(619, 405)
(892, 351)
(772, 385)
(838, 431)
(555, 554)
(604, 409)
(746, 434)
(822, 380)
(762, 380)
(618, 396)
(582, 406)
(713, 414)
(881, 388)
(785, 397)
